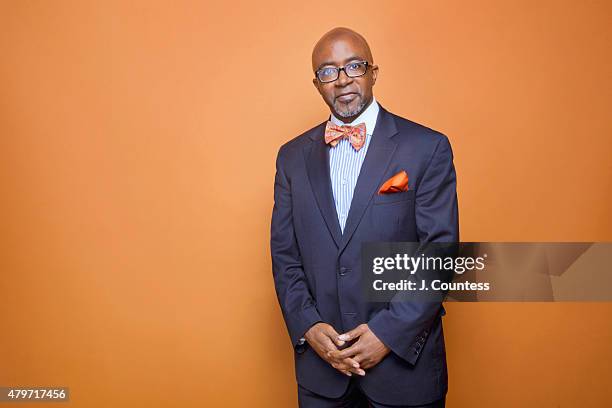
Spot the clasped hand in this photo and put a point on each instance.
(364, 353)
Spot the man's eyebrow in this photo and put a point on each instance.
(346, 61)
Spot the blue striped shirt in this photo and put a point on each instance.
(345, 162)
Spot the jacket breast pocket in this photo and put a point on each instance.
(393, 197)
(392, 215)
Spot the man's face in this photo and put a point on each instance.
(346, 97)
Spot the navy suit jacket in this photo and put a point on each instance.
(317, 268)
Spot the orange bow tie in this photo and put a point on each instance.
(355, 134)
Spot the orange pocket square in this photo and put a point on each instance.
(395, 184)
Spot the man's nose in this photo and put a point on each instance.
(343, 79)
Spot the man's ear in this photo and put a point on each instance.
(315, 83)
(374, 73)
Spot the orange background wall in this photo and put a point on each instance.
(136, 270)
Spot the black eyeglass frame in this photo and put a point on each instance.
(338, 69)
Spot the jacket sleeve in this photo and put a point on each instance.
(403, 325)
(296, 302)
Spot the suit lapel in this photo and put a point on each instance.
(317, 165)
(377, 160)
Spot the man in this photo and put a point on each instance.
(350, 352)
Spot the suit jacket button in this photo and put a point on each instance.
(343, 270)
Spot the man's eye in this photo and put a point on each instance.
(328, 71)
(354, 65)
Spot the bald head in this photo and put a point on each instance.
(335, 37)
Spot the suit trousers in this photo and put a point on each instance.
(352, 398)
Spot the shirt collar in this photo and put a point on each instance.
(368, 117)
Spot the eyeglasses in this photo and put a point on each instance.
(352, 70)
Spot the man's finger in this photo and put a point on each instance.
(357, 370)
(342, 368)
(350, 352)
(346, 366)
(347, 363)
(353, 334)
(328, 344)
(333, 336)
(338, 342)
(351, 362)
